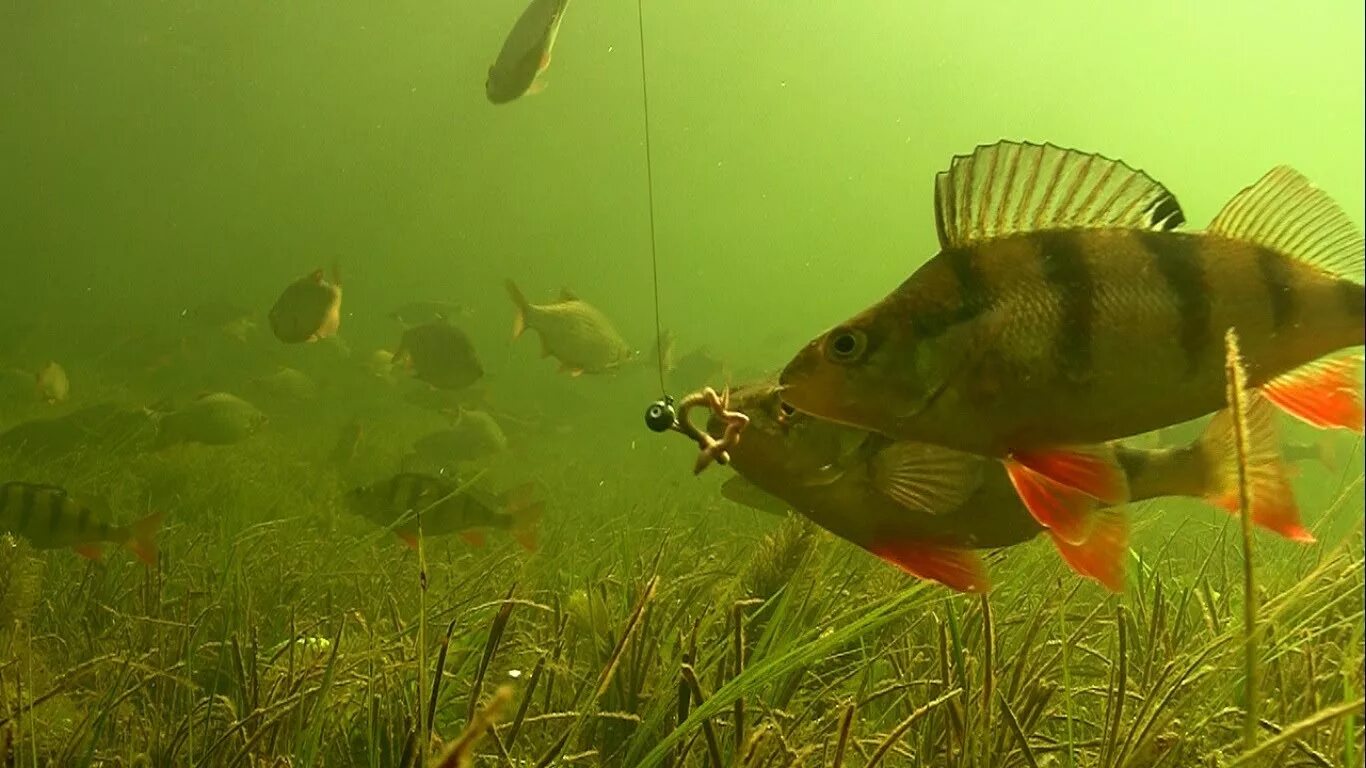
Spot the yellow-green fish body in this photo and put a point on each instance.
(49, 518)
(1019, 338)
(572, 331)
(526, 50)
(925, 508)
(440, 354)
(445, 508)
(1062, 312)
(217, 418)
(51, 383)
(308, 310)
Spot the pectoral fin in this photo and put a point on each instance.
(926, 478)
(1063, 488)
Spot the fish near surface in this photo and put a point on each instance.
(308, 310)
(439, 354)
(50, 518)
(1063, 311)
(926, 509)
(51, 383)
(526, 51)
(445, 508)
(572, 331)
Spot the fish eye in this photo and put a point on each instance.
(845, 345)
(786, 410)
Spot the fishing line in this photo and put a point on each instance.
(650, 189)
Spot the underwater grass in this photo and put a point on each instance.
(657, 626)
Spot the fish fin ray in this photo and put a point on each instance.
(1283, 211)
(1066, 512)
(1324, 393)
(1271, 495)
(958, 569)
(518, 300)
(1012, 187)
(925, 477)
(1101, 556)
(526, 512)
(89, 551)
(142, 537)
(1090, 469)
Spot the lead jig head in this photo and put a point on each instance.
(661, 416)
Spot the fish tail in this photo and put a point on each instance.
(523, 309)
(526, 512)
(1271, 497)
(142, 538)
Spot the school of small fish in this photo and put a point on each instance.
(1001, 392)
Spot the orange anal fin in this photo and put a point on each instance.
(1102, 555)
(473, 538)
(1066, 512)
(142, 538)
(959, 569)
(89, 551)
(1324, 393)
(409, 540)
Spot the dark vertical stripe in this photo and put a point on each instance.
(1280, 287)
(1353, 297)
(1064, 267)
(27, 500)
(1180, 261)
(6, 492)
(56, 505)
(82, 517)
(973, 297)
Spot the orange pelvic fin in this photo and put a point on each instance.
(142, 538)
(88, 551)
(1324, 393)
(473, 538)
(1102, 555)
(409, 540)
(1271, 497)
(959, 569)
(1061, 488)
(526, 512)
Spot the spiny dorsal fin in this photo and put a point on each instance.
(1283, 211)
(568, 295)
(1012, 187)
